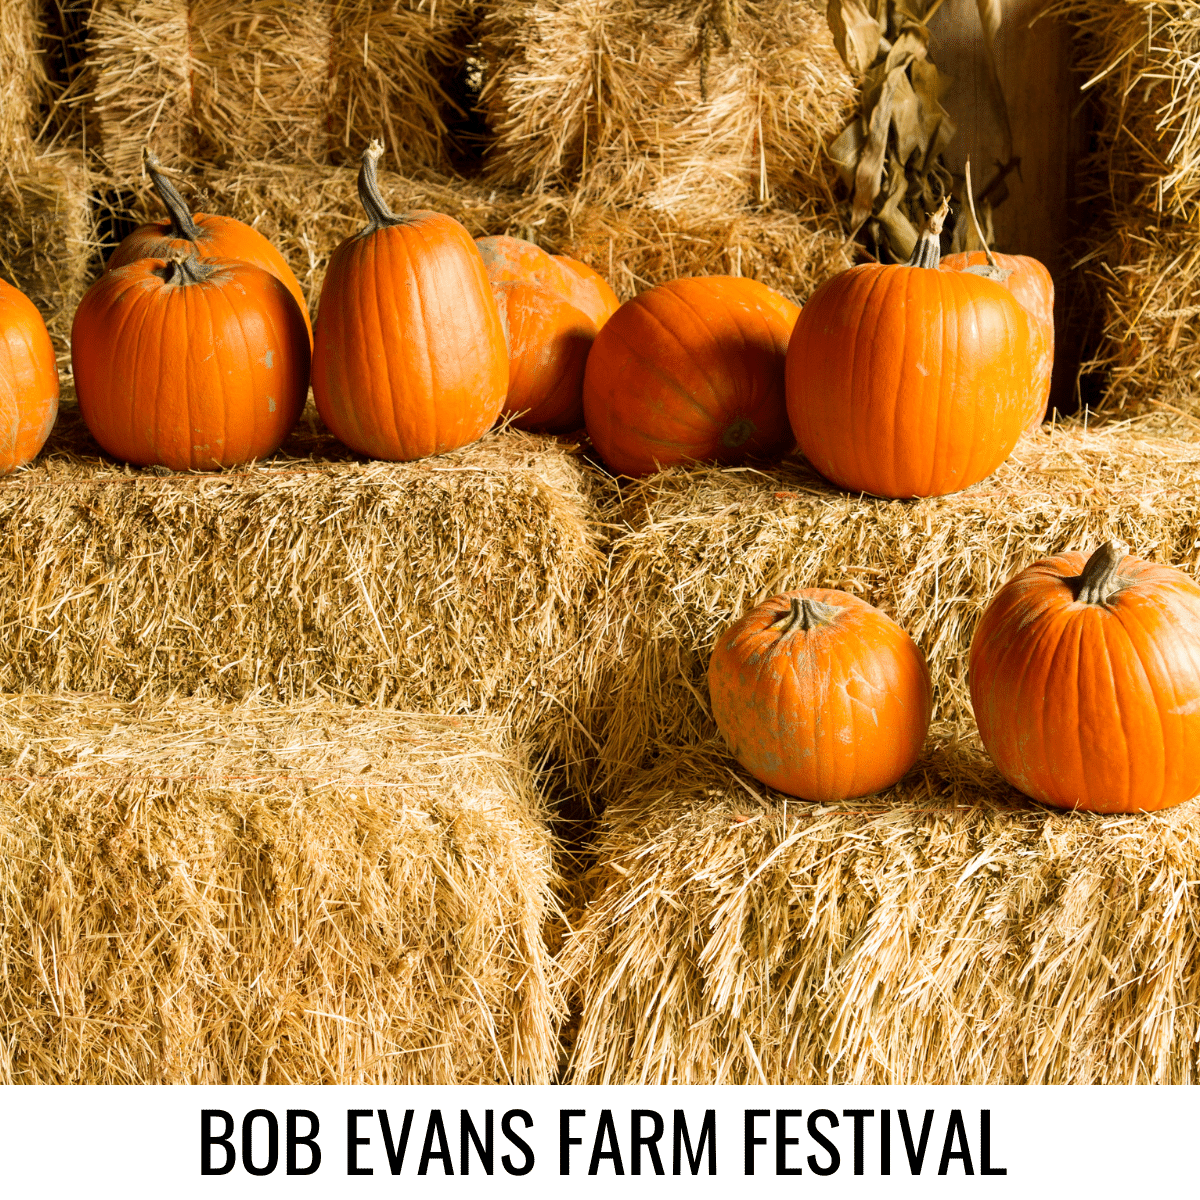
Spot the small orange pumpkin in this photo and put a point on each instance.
(551, 314)
(691, 371)
(904, 380)
(28, 380)
(1085, 680)
(208, 235)
(1033, 288)
(189, 364)
(409, 358)
(820, 695)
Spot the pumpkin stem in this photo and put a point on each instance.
(975, 220)
(928, 250)
(1097, 582)
(378, 212)
(182, 225)
(183, 268)
(806, 614)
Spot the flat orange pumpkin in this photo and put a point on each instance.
(1085, 680)
(820, 695)
(691, 371)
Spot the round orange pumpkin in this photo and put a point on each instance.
(189, 364)
(1033, 289)
(691, 371)
(820, 695)
(409, 358)
(28, 380)
(208, 235)
(1085, 680)
(904, 380)
(551, 315)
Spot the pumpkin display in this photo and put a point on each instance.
(551, 309)
(904, 380)
(28, 380)
(189, 363)
(208, 235)
(691, 371)
(1085, 680)
(409, 358)
(820, 695)
(1033, 289)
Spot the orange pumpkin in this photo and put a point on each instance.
(409, 358)
(691, 371)
(207, 234)
(28, 380)
(1033, 289)
(189, 364)
(820, 695)
(551, 314)
(1085, 680)
(904, 380)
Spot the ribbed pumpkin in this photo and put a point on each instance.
(904, 380)
(691, 371)
(208, 235)
(189, 364)
(409, 358)
(28, 380)
(1033, 289)
(551, 313)
(820, 695)
(1085, 679)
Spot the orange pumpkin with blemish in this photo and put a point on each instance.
(820, 695)
(691, 371)
(551, 314)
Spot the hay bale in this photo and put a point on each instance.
(699, 547)
(260, 80)
(137, 83)
(261, 895)
(672, 104)
(24, 83)
(947, 931)
(395, 69)
(462, 582)
(48, 240)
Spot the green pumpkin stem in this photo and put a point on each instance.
(806, 614)
(928, 250)
(379, 215)
(183, 268)
(183, 226)
(1097, 582)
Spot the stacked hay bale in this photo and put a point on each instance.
(674, 131)
(47, 234)
(947, 930)
(201, 894)
(1141, 63)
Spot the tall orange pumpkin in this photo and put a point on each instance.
(28, 380)
(905, 380)
(409, 358)
(208, 235)
(691, 371)
(1033, 288)
(189, 364)
(820, 695)
(1085, 680)
(551, 313)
